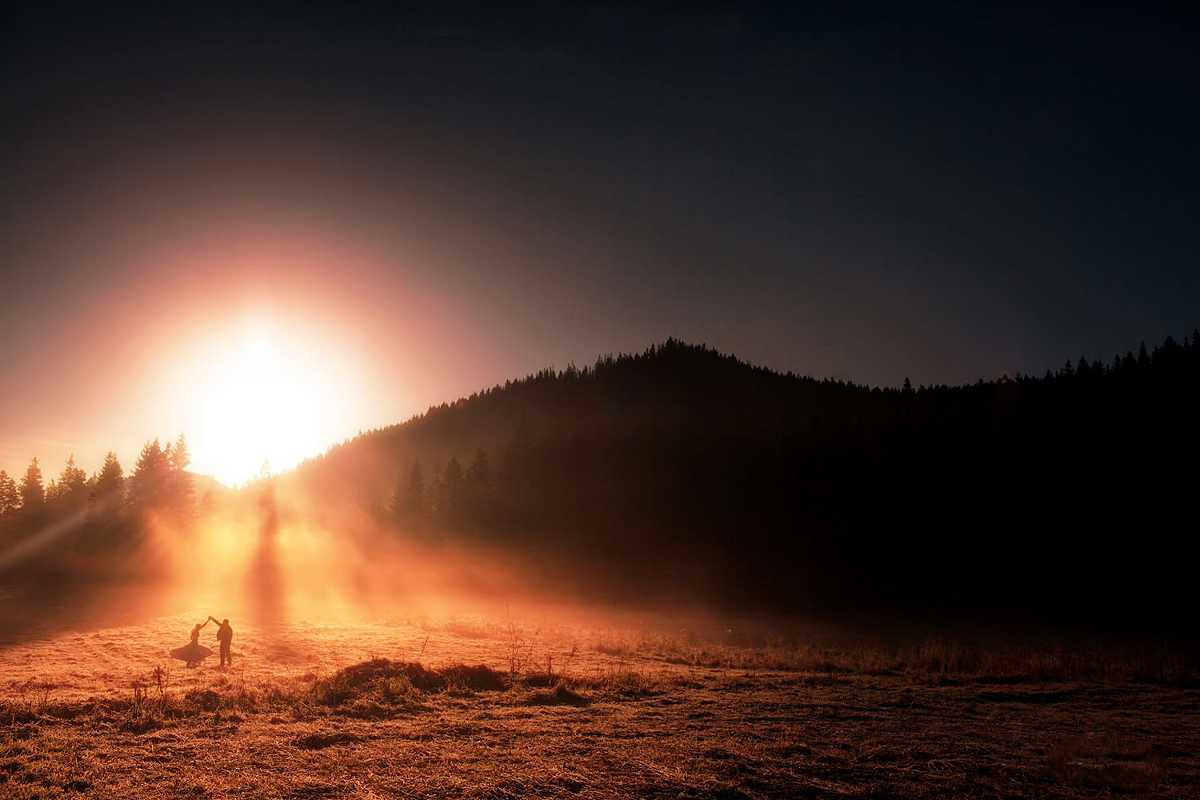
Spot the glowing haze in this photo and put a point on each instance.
(263, 348)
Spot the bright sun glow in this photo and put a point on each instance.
(261, 403)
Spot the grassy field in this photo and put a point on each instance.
(470, 707)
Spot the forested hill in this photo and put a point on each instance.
(683, 466)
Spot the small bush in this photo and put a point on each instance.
(623, 683)
(541, 680)
(140, 724)
(560, 695)
(392, 682)
(356, 681)
(478, 678)
(203, 699)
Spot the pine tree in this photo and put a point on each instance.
(72, 480)
(33, 494)
(449, 487)
(414, 493)
(477, 487)
(182, 494)
(395, 504)
(453, 477)
(10, 499)
(111, 480)
(437, 494)
(147, 485)
(409, 500)
(178, 455)
(479, 473)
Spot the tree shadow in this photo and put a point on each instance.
(264, 579)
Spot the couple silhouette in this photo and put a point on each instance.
(193, 652)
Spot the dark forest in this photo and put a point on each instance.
(681, 469)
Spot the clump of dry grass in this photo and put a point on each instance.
(622, 683)
(479, 678)
(380, 683)
(378, 679)
(560, 695)
(204, 699)
(144, 713)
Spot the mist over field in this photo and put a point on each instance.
(622, 553)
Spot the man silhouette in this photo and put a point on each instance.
(225, 638)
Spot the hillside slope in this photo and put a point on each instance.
(683, 467)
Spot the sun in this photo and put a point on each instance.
(261, 403)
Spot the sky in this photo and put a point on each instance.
(337, 219)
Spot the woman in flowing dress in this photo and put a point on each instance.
(192, 652)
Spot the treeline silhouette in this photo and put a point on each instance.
(684, 469)
(77, 527)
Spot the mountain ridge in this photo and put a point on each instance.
(780, 477)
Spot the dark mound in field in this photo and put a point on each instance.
(396, 682)
(204, 699)
(477, 678)
(560, 695)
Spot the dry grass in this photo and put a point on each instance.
(480, 710)
(931, 657)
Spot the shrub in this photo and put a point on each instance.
(560, 695)
(393, 682)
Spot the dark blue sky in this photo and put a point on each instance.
(888, 194)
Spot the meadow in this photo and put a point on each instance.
(508, 706)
